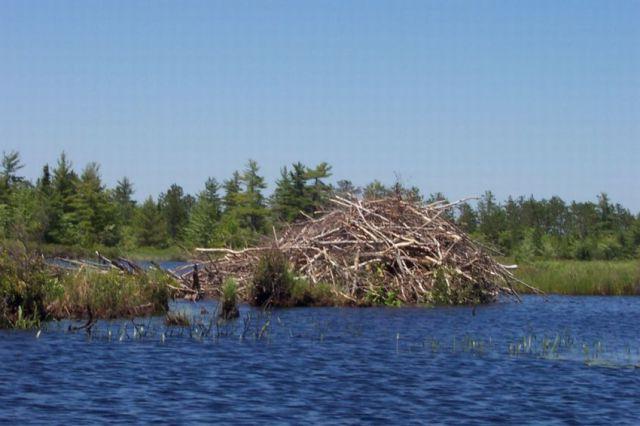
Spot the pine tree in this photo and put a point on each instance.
(467, 218)
(150, 225)
(123, 197)
(295, 197)
(346, 188)
(231, 191)
(44, 182)
(8, 177)
(202, 228)
(319, 190)
(60, 208)
(175, 208)
(94, 216)
(10, 165)
(375, 190)
(281, 201)
(251, 210)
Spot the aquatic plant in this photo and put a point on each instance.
(229, 300)
(272, 280)
(109, 294)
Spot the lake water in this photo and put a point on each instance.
(564, 360)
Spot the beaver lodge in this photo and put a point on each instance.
(372, 251)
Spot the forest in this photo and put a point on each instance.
(65, 207)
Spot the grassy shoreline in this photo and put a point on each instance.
(582, 278)
(31, 292)
(168, 254)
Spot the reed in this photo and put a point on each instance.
(229, 300)
(111, 294)
(25, 284)
(567, 277)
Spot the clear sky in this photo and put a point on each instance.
(538, 97)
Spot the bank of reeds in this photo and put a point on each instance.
(109, 294)
(25, 287)
(587, 278)
(32, 291)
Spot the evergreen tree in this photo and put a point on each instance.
(251, 210)
(44, 182)
(11, 164)
(467, 218)
(202, 228)
(175, 208)
(123, 197)
(94, 216)
(8, 175)
(60, 210)
(231, 191)
(150, 225)
(346, 188)
(319, 191)
(491, 217)
(291, 196)
(280, 201)
(375, 190)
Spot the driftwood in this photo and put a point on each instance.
(377, 247)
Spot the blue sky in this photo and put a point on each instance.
(539, 97)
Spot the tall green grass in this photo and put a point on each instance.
(32, 291)
(112, 294)
(569, 277)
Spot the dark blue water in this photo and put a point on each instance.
(568, 360)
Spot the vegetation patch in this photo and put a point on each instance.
(109, 294)
(229, 300)
(26, 286)
(272, 280)
(604, 278)
(31, 291)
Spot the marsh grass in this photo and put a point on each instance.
(109, 294)
(275, 285)
(25, 284)
(321, 294)
(229, 300)
(566, 277)
(31, 291)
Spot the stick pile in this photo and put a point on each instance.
(376, 249)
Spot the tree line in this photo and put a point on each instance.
(77, 209)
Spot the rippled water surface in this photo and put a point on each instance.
(565, 360)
